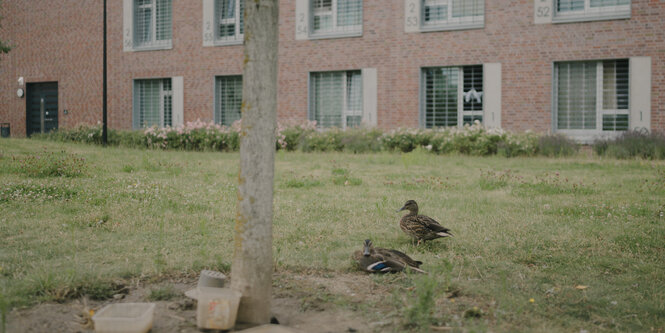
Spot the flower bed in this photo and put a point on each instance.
(304, 136)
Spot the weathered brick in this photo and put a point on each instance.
(59, 40)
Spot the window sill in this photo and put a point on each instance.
(332, 35)
(467, 26)
(590, 17)
(168, 46)
(589, 136)
(239, 41)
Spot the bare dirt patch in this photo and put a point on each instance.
(312, 302)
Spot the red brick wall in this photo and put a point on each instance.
(197, 65)
(525, 50)
(63, 43)
(52, 43)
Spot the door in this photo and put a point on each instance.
(41, 107)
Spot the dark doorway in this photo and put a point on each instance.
(41, 107)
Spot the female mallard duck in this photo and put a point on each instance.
(380, 260)
(421, 227)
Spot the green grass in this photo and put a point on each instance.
(162, 293)
(525, 228)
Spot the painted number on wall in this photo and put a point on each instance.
(128, 38)
(301, 27)
(412, 14)
(208, 35)
(543, 11)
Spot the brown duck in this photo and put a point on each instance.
(421, 227)
(380, 260)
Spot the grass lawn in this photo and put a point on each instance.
(540, 244)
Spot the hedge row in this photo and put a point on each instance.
(468, 140)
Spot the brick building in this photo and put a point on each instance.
(581, 67)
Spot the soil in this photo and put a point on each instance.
(300, 301)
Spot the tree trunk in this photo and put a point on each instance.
(251, 270)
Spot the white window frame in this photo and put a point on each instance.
(349, 111)
(237, 37)
(162, 103)
(153, 23)
(591, 14)
(162, 95)
(460, 97)
(336, 31)
(414, 17)
(346, 112)
(588, 135)
(217, 108)
(332, 12)
(130, 40)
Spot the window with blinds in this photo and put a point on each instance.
(153, 100)
(152, 23)
(453, 13)
(452, 96)
(336, 16)
(228, 99)
(229, 20)
(336, 99)
(592, 96)
(615, 95)
(592, 8)
(472, 93)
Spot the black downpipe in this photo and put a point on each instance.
(104, 87)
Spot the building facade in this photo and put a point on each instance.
(586, 68)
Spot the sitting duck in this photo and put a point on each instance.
(421, 227)
(380, 260)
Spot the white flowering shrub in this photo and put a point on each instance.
(304, 135)
(470, 139)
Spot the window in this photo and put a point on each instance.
(592, 96)
(228, 99)
(333, 17)
(229, 25)
(452, 96)
(153, 103)
(152, 23)
(575, 10)
(336, 99)
(452, 14)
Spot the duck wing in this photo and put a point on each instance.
(386, 266)
(434, 226)
(401, 256)
(377, 262)
(414, 226)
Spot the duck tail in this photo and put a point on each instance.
(445, 234)
(417, 269)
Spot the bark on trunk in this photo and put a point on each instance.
(251, 270)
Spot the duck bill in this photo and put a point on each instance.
(401, 209)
